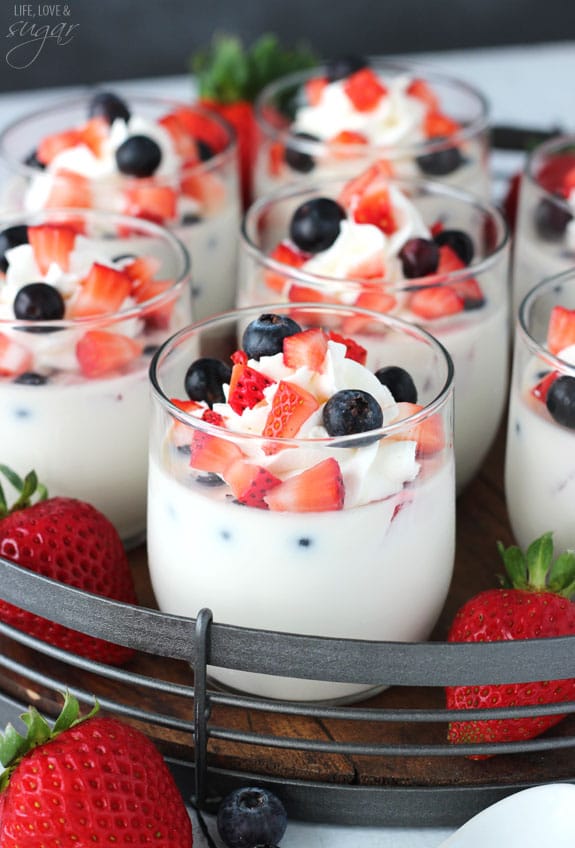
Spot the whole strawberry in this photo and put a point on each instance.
(534, 603)
(87, 781)
(70, 541)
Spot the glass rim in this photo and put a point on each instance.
(533, 160)
(434, 406)
(177, 248)
(292, 190)
(535, 347)
(64, 104)
(479, 124)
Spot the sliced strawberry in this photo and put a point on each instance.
(539, 391)
(246, 387)
(69, 190)
(157, 317)
(142, 268)
(102, 292)
(353, 350)
(201, 126)
(305, 349)
(429, 434)
(449, 260)
(558, 173)
(437, 227)
(285, 253)
(374, 207)
(94, 135)
(307, 294)
(100, 352)
(467, 289)
(146, 199)
(207, 189)
(364, 89)
(210, 453)
(314, 89)
(561, 329)
(437, 125)
(213, 417)
(435, 302)
(183, 140)
(186, 405)
(180, 433)
(14, 358)
(375, 299)
(276, 158)
(370, 268)
(348, 138)
(250, 483)
(421, 90)
(239, 357)
(317, 489)
(52, 243)
(51, 145)
(291, 407)
(377, 173)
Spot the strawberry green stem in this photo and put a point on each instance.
(26, 488)
(536, 571)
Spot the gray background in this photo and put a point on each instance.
(122, 39)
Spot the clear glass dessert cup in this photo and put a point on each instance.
(545, 230)
(74, 394)
(477, 337)
(375, 566)
(460, 159)
(540, 450)
(199, 202)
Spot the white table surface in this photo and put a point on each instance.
(529, 86)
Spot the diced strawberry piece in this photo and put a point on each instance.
(291, 407)
(52, 243)
(14, 358)
(102, 292)
(557, 174)
(69, 191)
(146, 199)
(374, 207)
(449, 260)
(422, 91)
(307, 294)
(186, 405)
(364, 89)
(250, 483)
(180, 433)
(561, 329)
(203, 127)
(94, 135)
(207, 189)
(314, 89)
(100, 352)
(370, 268)
(183, 141)
(539, 391)
(213, 417)
(467, 289)
(276, 158)
(287, 255)
(377, 173)
(437, 227)
(370, 298)
(239, 357)
(305, 349)
(428, 434)
(142, 268)
(246, 387)
(435, 302)
(155, 316)
(348, 137)
(211, 453)
(317, 489)
(353, 349)
(53, 144)
(438, 125)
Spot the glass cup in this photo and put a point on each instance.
(375, 563)
(476, 336)
(540, 453)
(74, 391)
(457, 155)
(545, 233)
(197, 200)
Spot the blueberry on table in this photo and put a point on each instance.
(458, 241)
(264, 336)
(299, 160)
(251, 816)
(138, 156)
(9, 238)
(205, 378)
(440, 162)
(351, 411)
(39, 302)
(399, 383)
(105, 104)
(419, 257)
(344, 66)
(551, 218)
(561, 401)
(316, 223)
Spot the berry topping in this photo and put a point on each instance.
(371, 204)
(364, 89)
(399, 383)
(52, 243)
(351, 411)
(105, 104)
(317, 489)
(138, 156)
(353, 350)
(39, 302)
(436, 302)
(251, 816)
(561, 329)
(9, 238)
(286, 255)
(552, 218)
(299, 160)
(344, 66)
(428, 434)
(14, 358)
(32, 161)
(440, 162)
(100, 352)
(250, 482)
(419, 257)
(264, 335)
(291, 407)
(458, 241)
(31, 378)
(540, 389)
(205, 378)
(561, 401)
(212, 454)
(307, 349)
(246, 387)
(316, 223)
(205, 150)
(103, 291)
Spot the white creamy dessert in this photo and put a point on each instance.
(370, 557)
(193, 188)
(74, 388)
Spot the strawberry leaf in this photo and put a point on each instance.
(539, 559)
(562, 575)
(26, 488)
(515, 567)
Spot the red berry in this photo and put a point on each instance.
(364, 89)
(102, 292)
(317, 489)
(305, 349)
(100, 352)
(246, 387)
(291, 407)
(250, 483)
(561, 329)
(52, 243)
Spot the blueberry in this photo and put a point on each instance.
(351, 411)
(210, 480)
(251, 816)
(138, 156)
(31, 378)
(124, 257)
(39, 302)
(344, 66)
(440, 162)
(458, 241)
(399, 383)
(106, 105)
(205, 151)
(33, 162)
(149, 350)
(299, 160)
(561, 401)
(551, 219)
(9, 238)
(419, 257)
(205, 378)
(190, 218)
(264, 336)
(316, 223)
